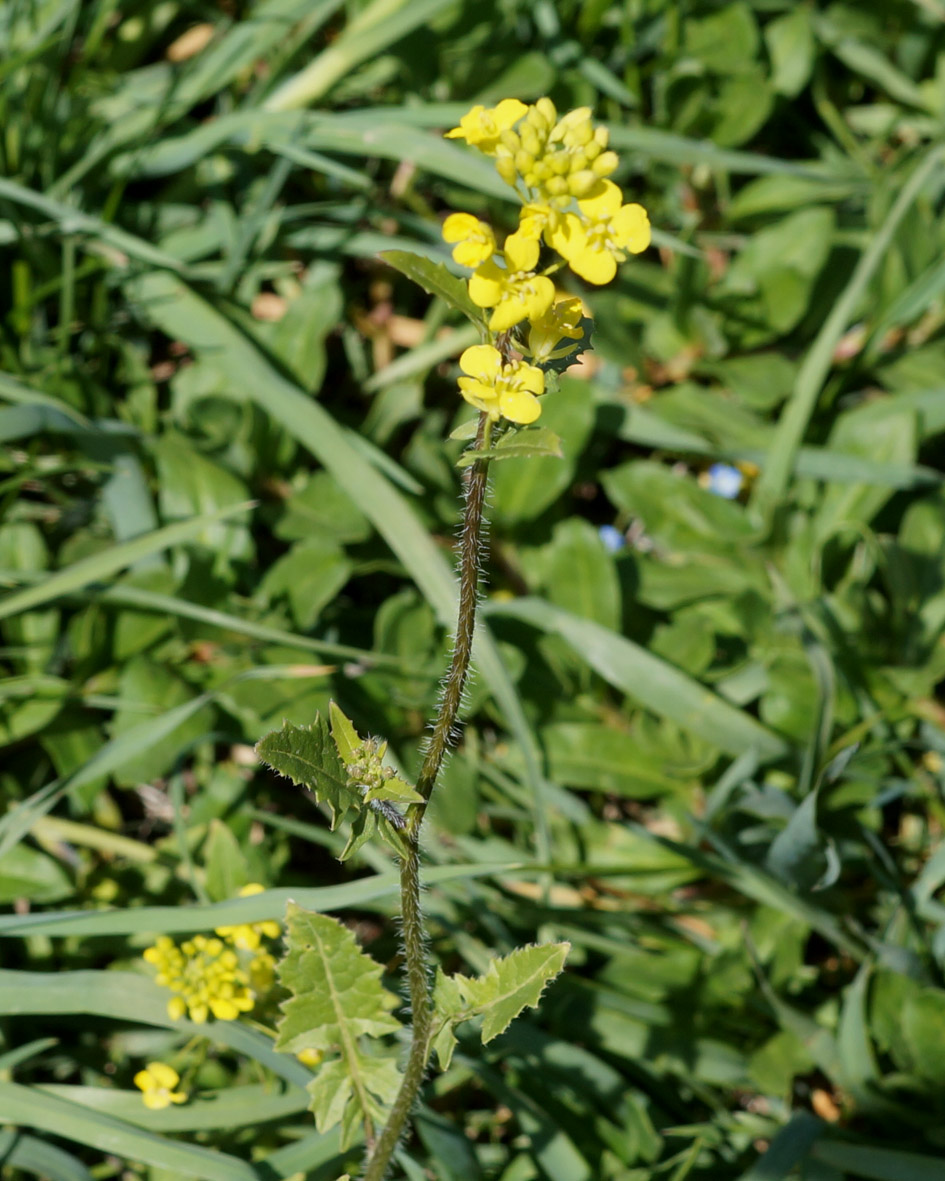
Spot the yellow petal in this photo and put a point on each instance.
(531, 377)
(506, 315)
(485, 286)
(519, 406)
(143, 1081)
(596, 266)
(567, 237)
(176, 1008)
(481, 361)
(541, 298)
(521, 252)
(602, 205)
(156, 1100)
(163, 1075)
(459, 226)
(178, 1097)
(631, 228)
(473, 254)
(507, 112)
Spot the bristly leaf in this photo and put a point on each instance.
(309, 757)
(434, 278)
(345, 736)
(518, 444)
(514, 982)
(336, 1000)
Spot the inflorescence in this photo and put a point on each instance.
(560, 169)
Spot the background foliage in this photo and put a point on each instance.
(709, 755)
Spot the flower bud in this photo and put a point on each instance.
(559, 163)
(510, 141)
(582, 183)
(605, 163)
(524, 162)
(531, 141)
(601, 137)
(557, 186)
(546, 108)
(505, 167)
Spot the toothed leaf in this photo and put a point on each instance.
(343, 732)
(309, 757)
(512, 983)
(336, 1000)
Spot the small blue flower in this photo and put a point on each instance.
(612, 538)
(724, 480)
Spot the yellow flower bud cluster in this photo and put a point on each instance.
(560, 168)
(557, 160)
(222, 975)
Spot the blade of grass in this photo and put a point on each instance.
(773, 481)
(101, 566)
(32, 1108)
(649, 680)
(270, 904)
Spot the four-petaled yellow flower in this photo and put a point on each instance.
(482, 128)
(475, 242)
(249, 935)
(594, 242)
(157, 1082)
(556, 333)
(500, 389)
(206, 977)
(515, 292)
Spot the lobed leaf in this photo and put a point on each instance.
(336, 1000)
(511, 984)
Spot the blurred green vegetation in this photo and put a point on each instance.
(707, 749)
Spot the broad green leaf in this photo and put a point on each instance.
(511, 984)
(527, 444)
(337, 999)
(435, 279)
(790, 41)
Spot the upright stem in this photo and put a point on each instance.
(443, 733)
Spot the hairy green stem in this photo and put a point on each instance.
(418, 976)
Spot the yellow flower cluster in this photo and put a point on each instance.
(207, 975)
(560, 168)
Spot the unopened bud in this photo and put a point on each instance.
(505, 167)
(524, 162)
(531, 141)
(546, 108)
(560, 163)
(557, 186)
(605, 163)
(601, 137)
(582, 183)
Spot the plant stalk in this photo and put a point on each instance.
(444, 729)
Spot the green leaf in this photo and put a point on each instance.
(512, 983)
(434, 278)
(538, 441)
(343, 732)
(309, 757)
(336, 999)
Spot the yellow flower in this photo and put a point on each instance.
(482, 128)
(516, 293)
(157, 1082)
(548, 336)
(596, 240)
(475, 242)
(249, 935)
(206, 977)
(500, 389)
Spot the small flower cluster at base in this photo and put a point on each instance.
(560, 168)
(205, 976)
(156, 1083)
(208, 975)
